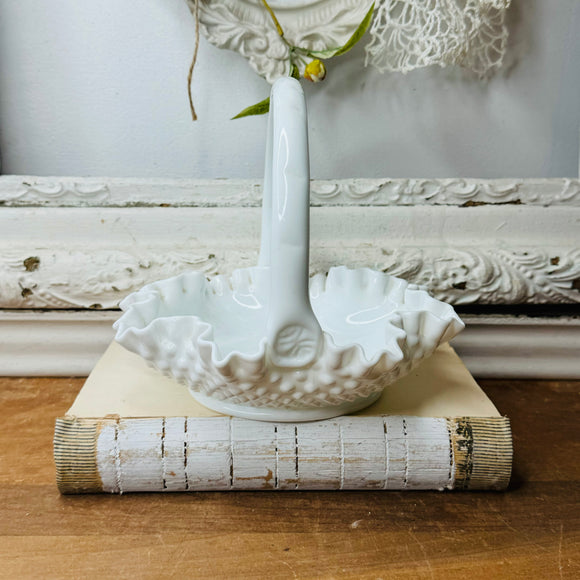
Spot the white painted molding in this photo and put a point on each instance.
(99, 278)
(86, 243)
(34, 191)
(520, 347)
(92, 257)
(53, 343)
(69, 343)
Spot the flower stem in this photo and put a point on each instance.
(274, 19)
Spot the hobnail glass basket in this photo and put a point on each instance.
(269, 342)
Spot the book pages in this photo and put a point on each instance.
(122, 384)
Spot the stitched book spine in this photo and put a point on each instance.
(117, 455)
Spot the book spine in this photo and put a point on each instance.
(224, 453)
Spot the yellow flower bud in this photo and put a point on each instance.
(315, 71)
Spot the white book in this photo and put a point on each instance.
(132, 429)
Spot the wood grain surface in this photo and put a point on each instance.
(531, 531)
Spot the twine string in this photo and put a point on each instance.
(193, 61)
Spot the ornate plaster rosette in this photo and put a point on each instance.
(246, 27)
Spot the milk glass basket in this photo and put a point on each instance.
(269, 342)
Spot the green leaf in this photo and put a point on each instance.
(260, 108)
(357, 35)
(294, 72)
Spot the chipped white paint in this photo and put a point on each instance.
(254, 457)
(99, 276)
(222, 453)
(418, 449)
(140, 465)
(428, 453)
(208, 463)
(285, 451)
(173, 454)
(467, 241)
(107, 457)
(37, 191)
(363, 451)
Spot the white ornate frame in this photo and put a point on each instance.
(469, 241)
(72, 248)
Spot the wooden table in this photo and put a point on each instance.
(532, 531)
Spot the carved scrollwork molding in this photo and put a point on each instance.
(54, 190)
(490, 275)
(87, 279)
(456, 191)
(100, 279)
(86, 243)
(119, 192)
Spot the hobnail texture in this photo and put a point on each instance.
(210, 335)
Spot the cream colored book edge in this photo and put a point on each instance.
(132, 429)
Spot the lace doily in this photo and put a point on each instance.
(410, 34)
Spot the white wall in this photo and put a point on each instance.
(99, 88)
